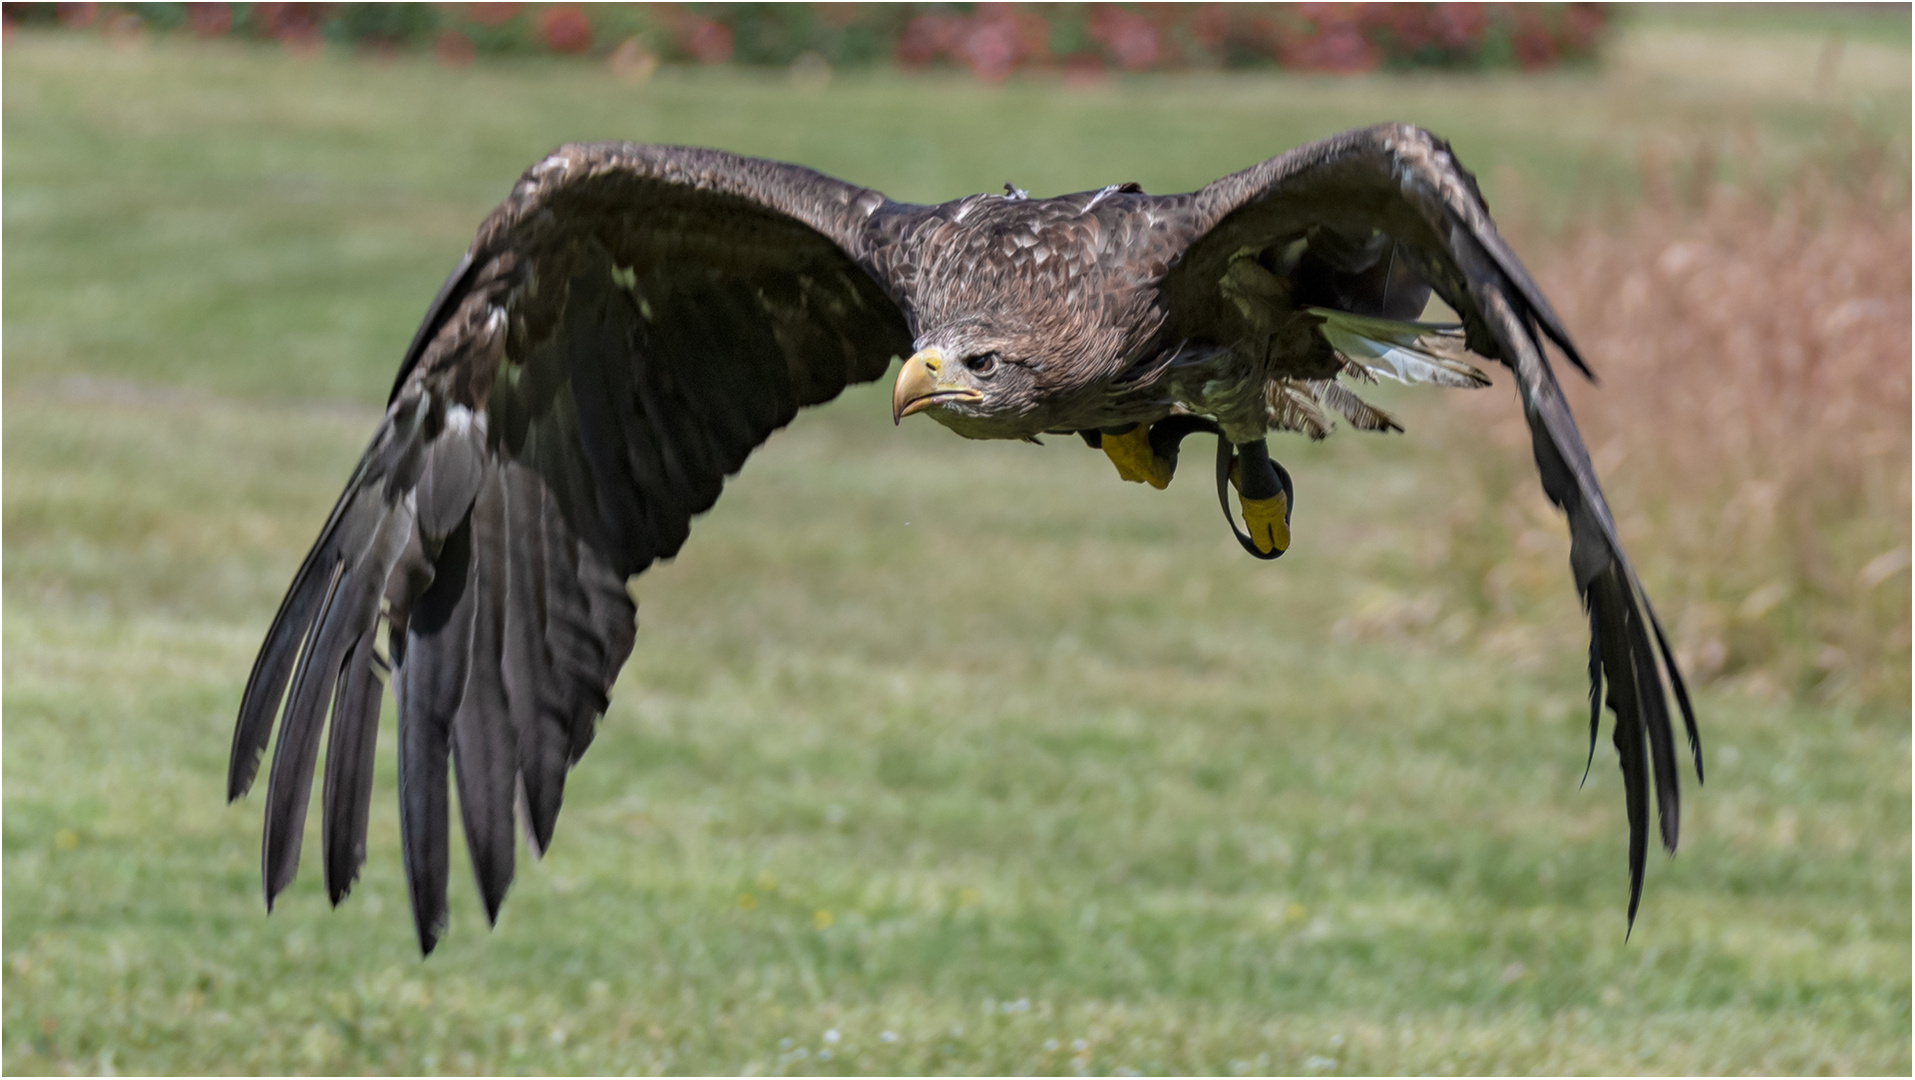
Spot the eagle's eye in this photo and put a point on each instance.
(982, 363)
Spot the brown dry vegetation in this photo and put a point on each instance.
(1752, 426)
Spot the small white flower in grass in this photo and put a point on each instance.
(888, 1036)
(832, 1036)
(1079, 1045)
(1336, 1040)
(1050, 1044)
(824, 1055)
(1319, 1063)
(784, 1044)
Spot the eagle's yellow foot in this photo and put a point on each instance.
(1267, 520)
(1264, 520)
(1136, 461)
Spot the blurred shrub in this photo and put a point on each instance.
(1752, 426)
(990, 40)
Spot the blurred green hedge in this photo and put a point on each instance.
(990, 40)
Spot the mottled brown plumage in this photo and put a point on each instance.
(634, 320)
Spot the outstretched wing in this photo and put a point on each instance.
(1367, 223)
(627, 327)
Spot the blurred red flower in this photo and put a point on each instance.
(1535, 47)
(840, 15)
(1331, 40)
(1083, 69)
(565, 29)
(209, 20)
(926, 38)
(992, 40)
(454, 49)
(77, 15)
(1130, 38)
(990, 47)
(708, 42)
(1033, 36)
(492, 14)
(295, 26)
(1459, 26)
(1582, 28)
(1210, 25)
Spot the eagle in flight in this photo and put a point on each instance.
(634, 320)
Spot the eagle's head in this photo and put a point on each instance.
(1009, 374)
(1023, 316)
(979, 379)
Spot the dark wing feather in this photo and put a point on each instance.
(349, 753)
(430, 684)
(629, 325)
(484, 740)
(1358, 205)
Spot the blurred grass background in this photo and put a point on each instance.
(1104, 797)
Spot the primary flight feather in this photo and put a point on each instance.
(634, 320)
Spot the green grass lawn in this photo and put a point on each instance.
(1101, 795)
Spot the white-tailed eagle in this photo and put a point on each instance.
(634, 320)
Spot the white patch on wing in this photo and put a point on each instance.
(459, 419)
(1409, 352)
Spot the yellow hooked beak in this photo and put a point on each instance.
(918, 387)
